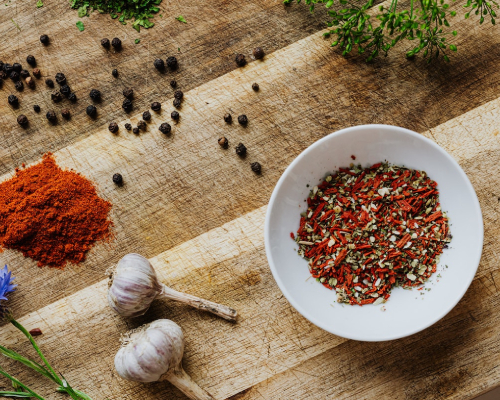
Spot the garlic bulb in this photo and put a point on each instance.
(153, 353)
(133, 286)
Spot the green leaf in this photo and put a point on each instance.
(453, 47)
(80, 26)
(39, 4)
(82, 11)
(137, 41)
(16, 394)
(181, 19)
(454, 33)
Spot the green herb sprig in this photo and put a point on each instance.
(138, 10)
(425, 24)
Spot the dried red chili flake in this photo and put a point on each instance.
(368, 230)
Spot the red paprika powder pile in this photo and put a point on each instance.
(51, 215)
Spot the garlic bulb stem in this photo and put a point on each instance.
(179, 378)
(196, 302)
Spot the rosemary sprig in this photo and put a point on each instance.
(425, 23)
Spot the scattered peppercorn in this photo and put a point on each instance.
(172, 62)
(177, 103)
(36, 73)
(113, 127)
(24, 73)
(255, 87)
(165, 128)
(175, 115)
(95, 95)
(116, 43)
(240, 60)
(36, 332)
(228, 118)
(36, 108)
(22, 120)
(128, 93)
(13, 100)
(30, 82)
(17, 67)
(66, 113)
(156, 106)
(91, 111)
(258, 53)
(241, 150)
(256, 167)
(115, 73)
(223, 142)
(31, 60)
(173, 83)
(65, 90)
(243, 120)
(135, 130)
(118, 179)
(127, 105)
(3, 75)
(178, 94)
(60, 78)
(146, 115)
(49, 82)
(105, 43)
(51, 116)
(56, 97)
(128, 126)
(159, 64)
(19, 86)
(44, 39)
(14, 76)
(142, 125)
(72, 97)
(8, 68)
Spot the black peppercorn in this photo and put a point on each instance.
(105, 43)
(24, 74)
(3, 75)
(8, 68)
(31, 60)
(243, 120)
(228, 118)
(135, 130)
(223, 142)
(91, 111)
(118, 179)
(177, 103)
(1, 65)
(17, 67)
(36, 108)
(116, 43)
(19, 86)
(30, 82)
(155, 106)
(113, 127)
(146, 115)
(178, 94)
(128, 126)
(115, 73)
(44, 39)
(36, 73)
(241, 150)
(165, 128)
(49, 82)
(172, 62)
(22, 120)
(258, 53)
(240, 60)
(60, 78)
(173, 83)
(14, 76)
(128, 93)
(127, 105)
(255, 87)
(175, 115)
(256, 167)
(142, 125)
(72, 97)
(65, 90)
(95, 95)
(51, 116)
(13, 100)
(56, 97)
(66, 114)
(159, 64)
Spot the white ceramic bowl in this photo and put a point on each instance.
(406, 311)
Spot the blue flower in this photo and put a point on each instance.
(5, 283)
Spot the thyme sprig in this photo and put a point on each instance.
(425, 24)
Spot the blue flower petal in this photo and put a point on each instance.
(6, 285)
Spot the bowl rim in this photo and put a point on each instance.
(345, 131)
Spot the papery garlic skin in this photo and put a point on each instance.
(133, 286)
(151, 352)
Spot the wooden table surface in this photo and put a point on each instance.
(197, 211)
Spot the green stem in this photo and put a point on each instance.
(31, 364)
(33, 394)
(16, 394)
